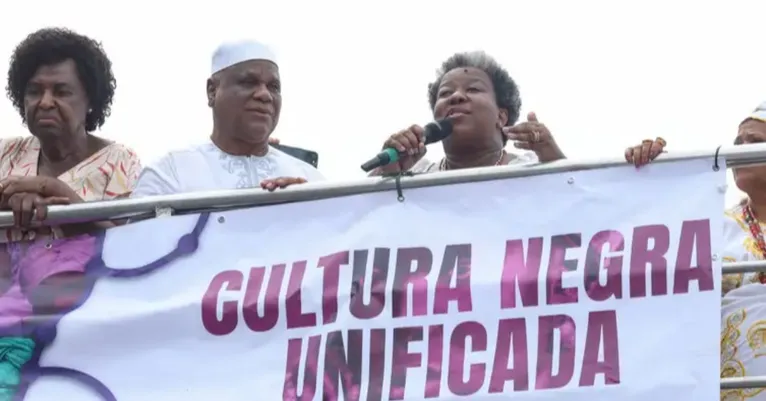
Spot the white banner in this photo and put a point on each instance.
(593, 285)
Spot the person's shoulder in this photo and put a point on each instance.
(162, 176)
(734, 222)
(737, 239)
(735, 216)
(283, 157)
(17, 154)
(17, 144)
(196, 148)
(122, 152)
(18, 140)
(310, 172)
(181, 154)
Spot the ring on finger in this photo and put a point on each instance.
(535, 136)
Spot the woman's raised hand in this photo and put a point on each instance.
(535, 136)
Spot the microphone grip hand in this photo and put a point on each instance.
(410, 143)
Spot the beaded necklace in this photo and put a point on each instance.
(757, 233)
(444, 167)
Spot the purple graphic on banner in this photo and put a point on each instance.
(25, 341)
(334, 361)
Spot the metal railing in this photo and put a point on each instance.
(231, 199)
(731, 156)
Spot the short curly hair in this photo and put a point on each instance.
(506, 92)
(53, 45)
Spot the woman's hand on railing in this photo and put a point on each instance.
(29, 205)
(29, 197)
(46, 187)
(647, 151)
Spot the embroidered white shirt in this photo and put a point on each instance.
(206, 167)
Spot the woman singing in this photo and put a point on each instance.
(483, 102)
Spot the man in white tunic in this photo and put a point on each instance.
(244, 92)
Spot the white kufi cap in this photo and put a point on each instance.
(230, 53)
(758, 114)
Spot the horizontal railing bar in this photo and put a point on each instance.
(743, 382)
(744, 267)
(213, 200)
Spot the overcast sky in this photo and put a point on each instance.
(601, 74)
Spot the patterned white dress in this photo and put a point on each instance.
(743, 310)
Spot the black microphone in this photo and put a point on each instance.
(434, 132)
